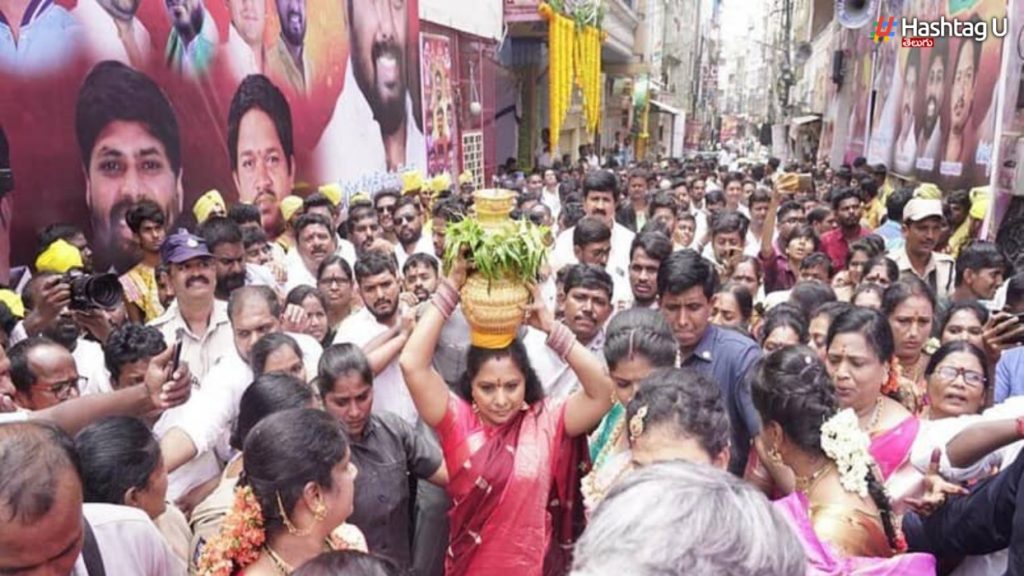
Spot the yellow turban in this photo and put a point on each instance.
(466, 177)
(980, 199)
(59, 257)
(412, 181)
(440, 183)
(13, 302)
(361, 197)
(206, 203)
(333, 193)
(928, 191)
(289, 206)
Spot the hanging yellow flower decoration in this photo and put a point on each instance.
(574, 60)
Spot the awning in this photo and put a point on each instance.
(666, 108)
(800, 120)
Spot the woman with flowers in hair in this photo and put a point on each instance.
(639, 340)
(840, 509)
(295, 491)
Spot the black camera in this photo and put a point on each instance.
(92, 291)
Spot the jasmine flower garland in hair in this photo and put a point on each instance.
(847, 445)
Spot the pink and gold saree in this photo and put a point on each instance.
(516, 507)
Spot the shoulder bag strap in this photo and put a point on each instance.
(91, 553)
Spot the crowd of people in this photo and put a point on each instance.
(723, 369)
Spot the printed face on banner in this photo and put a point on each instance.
(249, 18)
(378, 52)
(350, 72)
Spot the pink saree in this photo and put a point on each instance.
(891, 449)
(516, 507)
(823, 559)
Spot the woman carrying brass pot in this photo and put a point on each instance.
(514, 458)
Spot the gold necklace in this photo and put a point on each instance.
(279, 563)
(875, 416)
(806, 484)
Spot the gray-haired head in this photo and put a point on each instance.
(675, 518)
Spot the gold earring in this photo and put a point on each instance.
(614, 398)
(319, 509)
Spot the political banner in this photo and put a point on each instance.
(936, 119)
(438, 104)
(117, 100)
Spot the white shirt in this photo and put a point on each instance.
(240, 56)
(212, 410)
(103, 37)
(618, 257)
(299, 275)
(92, 365)
(351, 146)
(129, 543)
(557, 378)
(552, 201)
(940, 432)
(425, 245)
(389, 391)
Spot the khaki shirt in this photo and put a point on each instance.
(199, 351)
(939, 274)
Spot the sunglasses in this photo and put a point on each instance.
(404, 219)
(387, 209)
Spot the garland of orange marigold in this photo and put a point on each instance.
(238, 543)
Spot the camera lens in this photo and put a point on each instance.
(103, 290)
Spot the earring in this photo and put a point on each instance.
(524, 407)
(319, 509)
(614, 399)
(774, 455)
(476, 409)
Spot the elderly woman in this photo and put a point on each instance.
(676, 517)
(839, 509)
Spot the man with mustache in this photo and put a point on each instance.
(315, 241)
(287, 61)
(194, 38)
(246, 52)
(261, 149)
(146, 221)
(375, 107)
(409, 230)
(364, 231)
(103, 20)
(224, 240)
(131, 150)
(420, 276)
(195, 317)
(923, 223)
(599, 193)
(588, 305)
(58, 324)
(381, 329)
(930, 136)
